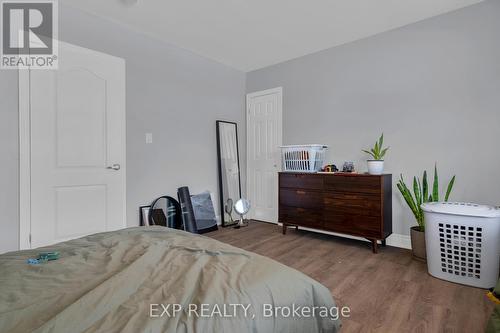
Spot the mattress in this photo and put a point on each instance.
(155, 279)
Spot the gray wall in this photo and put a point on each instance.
(9, 159)
(432, 87)
(172, 93)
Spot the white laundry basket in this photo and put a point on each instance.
(463, 242)
(303, 158)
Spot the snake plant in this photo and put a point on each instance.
(378, 152)
(422, 194)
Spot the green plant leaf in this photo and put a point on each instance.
(416, 191)
(409, 200)
(420, 196)
(381, 150)
(425, 188)
(382, 154)
(378, 152)
(368, 152)
(450, 187)
(420, 200)
(435, 186)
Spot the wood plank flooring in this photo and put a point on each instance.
(387, 292)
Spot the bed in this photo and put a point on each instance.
(155, 279)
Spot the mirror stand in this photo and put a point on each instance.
(242, 207)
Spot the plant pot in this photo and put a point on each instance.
(375, 167)
(418, 243)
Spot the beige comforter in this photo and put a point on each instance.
(154, 279)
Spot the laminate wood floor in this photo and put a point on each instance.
(386, 292)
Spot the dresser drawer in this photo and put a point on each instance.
(301, 216)
(301, 198)
(352, 203)
(302, 181)
(357, 225)
(353, 184)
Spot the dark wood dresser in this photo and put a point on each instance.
(354, 204)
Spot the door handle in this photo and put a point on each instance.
(115, 167)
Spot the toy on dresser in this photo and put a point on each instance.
(347, 167)
(330, 168)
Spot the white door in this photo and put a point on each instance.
(264, 138)
(77, 146)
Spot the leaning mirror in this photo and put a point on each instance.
(229, 170)
(165, 211)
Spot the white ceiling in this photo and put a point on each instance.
(251, 34)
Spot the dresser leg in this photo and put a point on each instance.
(384, 243)
(374, 246)
(284, 229)
(296, 227)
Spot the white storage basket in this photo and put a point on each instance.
(303, 158)
(463, 242)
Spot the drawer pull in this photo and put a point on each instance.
(301, 192)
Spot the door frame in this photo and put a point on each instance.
(24, 101)
(279, 91)
(24, 160)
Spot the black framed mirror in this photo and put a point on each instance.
(165, 211)
(229, 170)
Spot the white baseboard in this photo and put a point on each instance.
(398, 240)
(395, 240)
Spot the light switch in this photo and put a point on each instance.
(149, 137)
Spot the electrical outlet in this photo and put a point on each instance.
(149, 138)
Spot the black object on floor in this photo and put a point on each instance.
(165, 211)
(187, 210)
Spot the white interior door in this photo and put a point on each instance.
(264, 137)
(77, 138)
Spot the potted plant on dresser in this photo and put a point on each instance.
(421, 194)
(376, 165)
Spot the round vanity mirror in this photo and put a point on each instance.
(242, 207)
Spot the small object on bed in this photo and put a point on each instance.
(43, 257)
(48, 256)
(32, 261)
